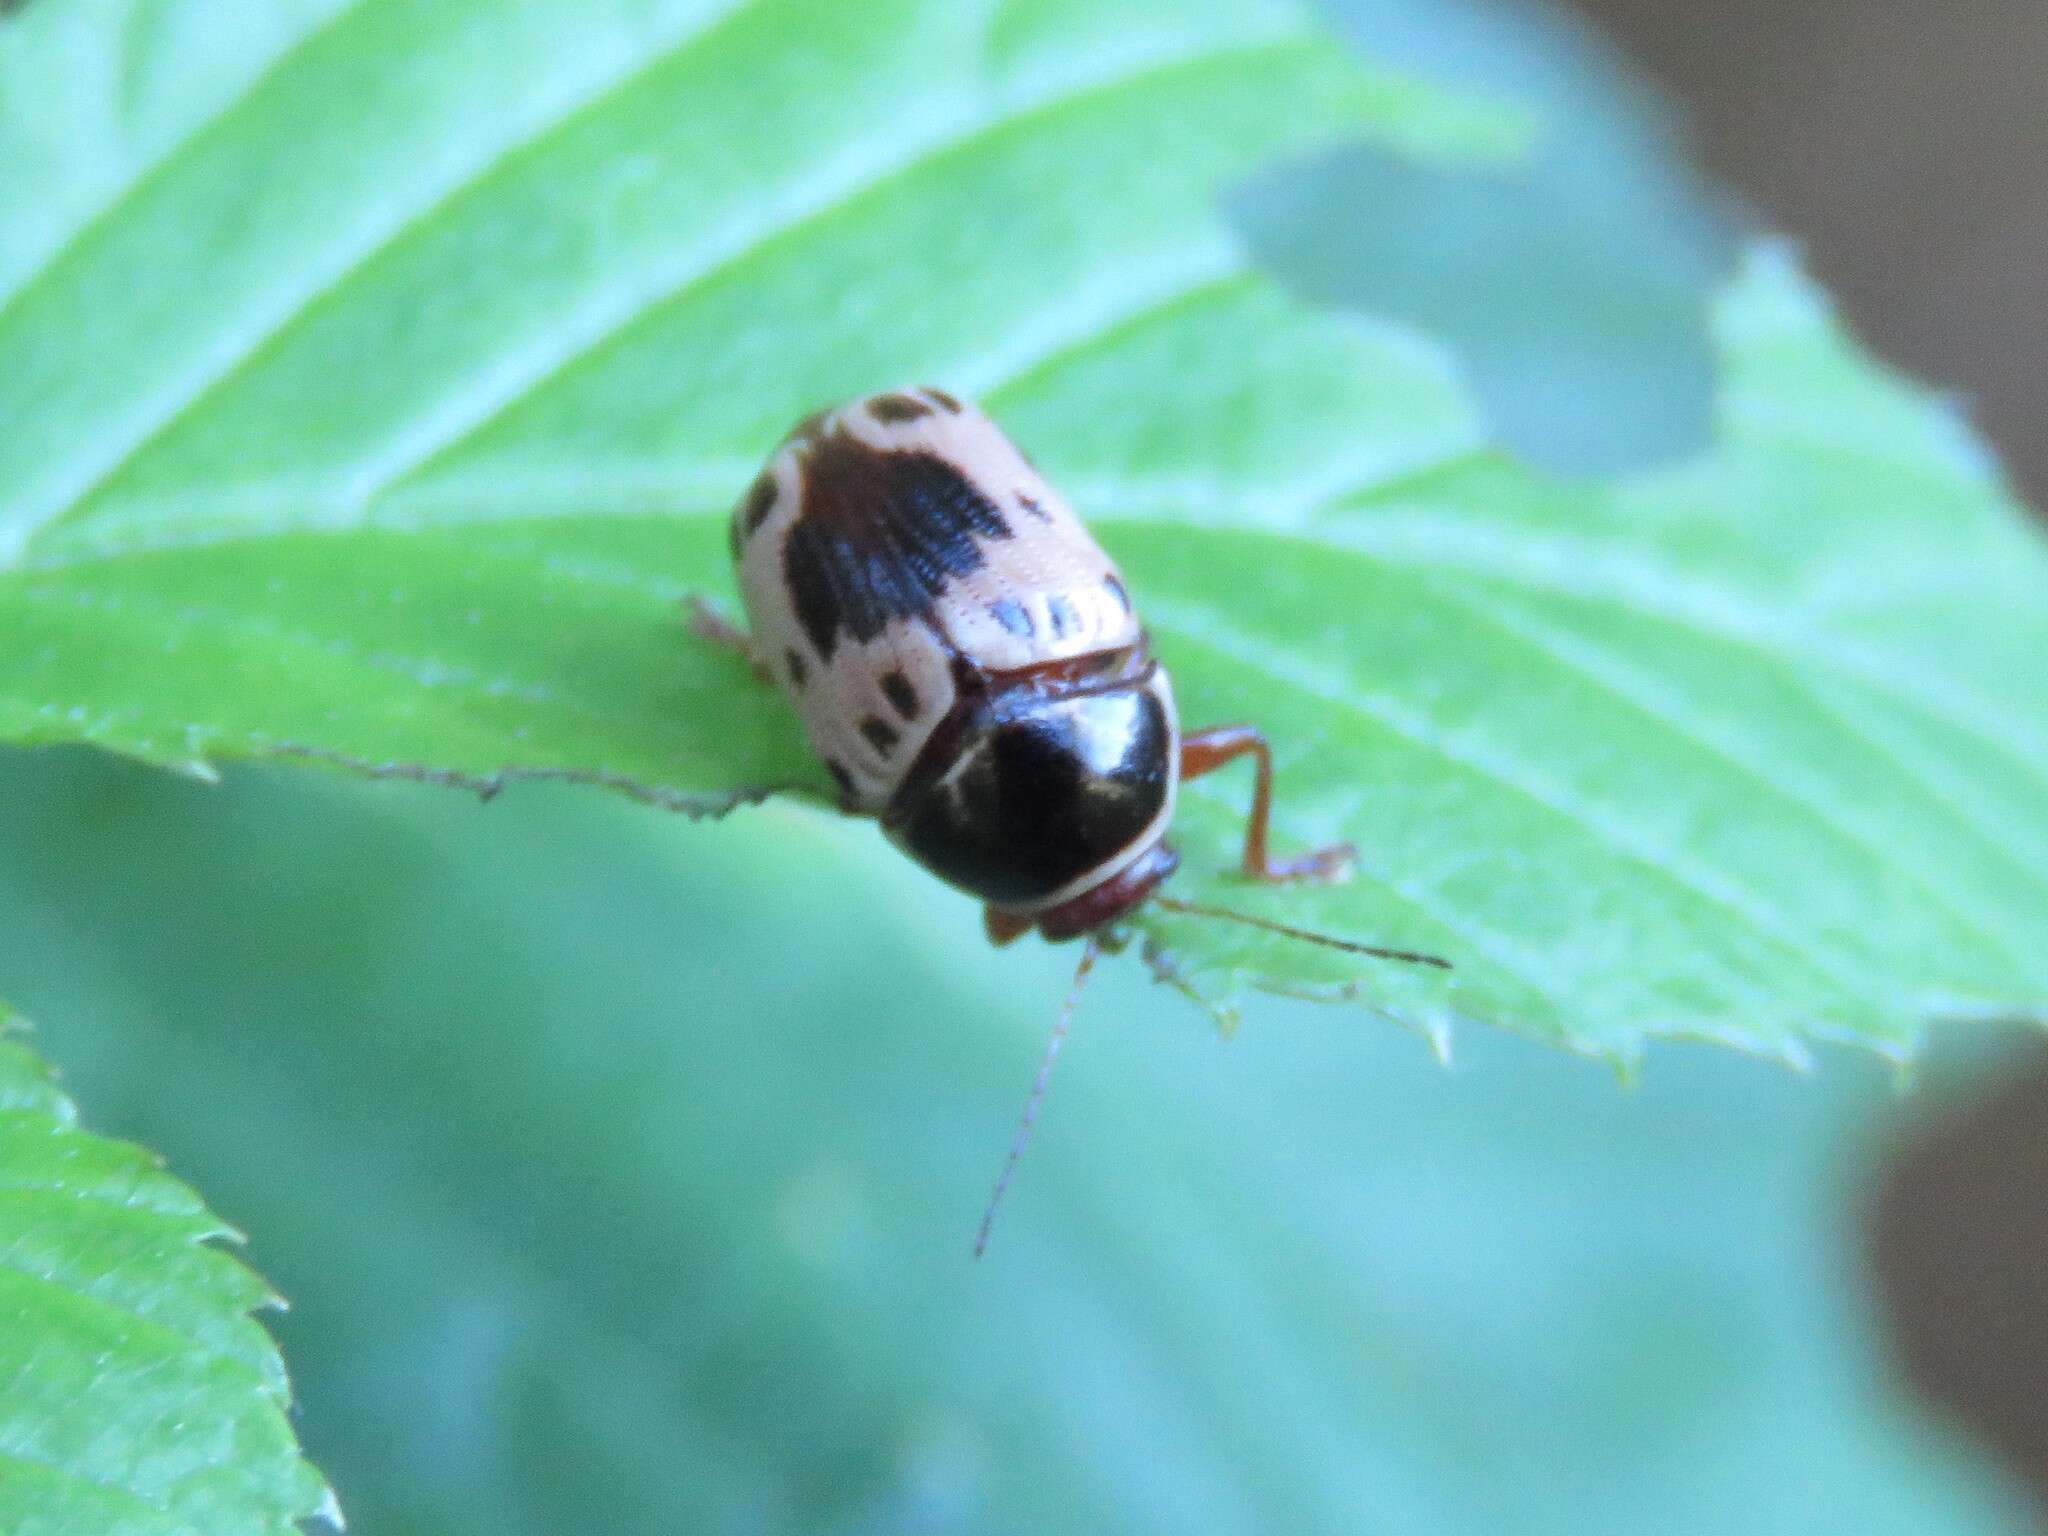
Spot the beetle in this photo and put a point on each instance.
(970, 667)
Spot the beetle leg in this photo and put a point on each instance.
(707, 623)
(1004, 927)
(1205, 751)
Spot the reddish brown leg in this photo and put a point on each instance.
(1004, 927)
(707, 623)
(1206, 751)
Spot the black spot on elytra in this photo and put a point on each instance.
(1062, 614)
(1010, 613)
(798, 672)
(1031, 504)
(901, 695)
(894, 409)
(1116, 590)
(945, 401)
(879, 535)
(759, 503)
(839, 775)
(880, 733)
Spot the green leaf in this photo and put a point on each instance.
(299, 470)
(402, 463)
(141, 1397)
(1753, 749)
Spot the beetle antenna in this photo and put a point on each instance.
(1024, 1122)
(1199, 909)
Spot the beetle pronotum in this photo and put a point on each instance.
(971, 670)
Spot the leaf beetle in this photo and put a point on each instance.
(969, 666)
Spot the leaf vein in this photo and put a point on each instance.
(1713, 612)
(359, 262)
(1958, 806)
(1596, 822)
(148, 171)
(191, 1343)
(1497, 947)
(1586, 659)
(925, 153)
(19, 1456)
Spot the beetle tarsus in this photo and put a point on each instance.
(1325, 866)
(1205, 751)
(1005, 927)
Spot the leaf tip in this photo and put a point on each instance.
(328, 1513)
(1438, 1031)
(1625, 1062)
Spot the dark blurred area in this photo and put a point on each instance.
(1904, 144)
(1960, 1244)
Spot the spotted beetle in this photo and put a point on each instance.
(970, 668)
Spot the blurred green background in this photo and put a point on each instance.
(622, 1173)
(622, 1170)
